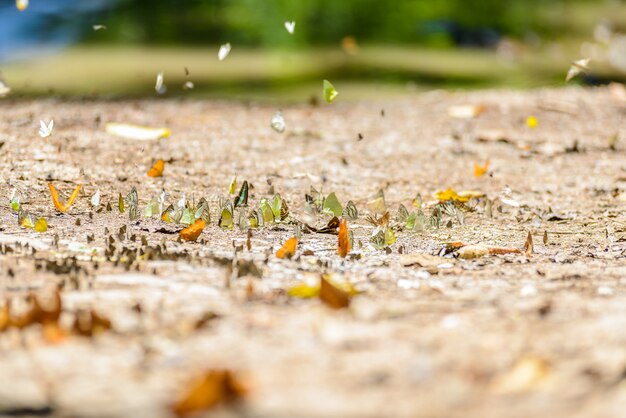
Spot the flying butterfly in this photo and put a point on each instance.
(242, 198)
(288, 249)
(350, 211)
(157, 169)
(63, 207)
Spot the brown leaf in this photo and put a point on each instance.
(214, 388)
(332, 295)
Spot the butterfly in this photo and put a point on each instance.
(192, 232)
(4, 89)
(267, 214)
(242, 198)
(330, 228)
(284, 210)
(417, 202)
(278, 122)
(377, 204)
(132, 201)
(288, 249)
(157, 169)
(63, 207)
(223, 52)
(350, 211)
(330, 93)
(577, 67)
(159, 87)
(481, 170)
(332, 206)
(95, 199)
(290, 26)
(402, 215)
(138, 133)
(277, 205)
(45, 130)
(333, 296)
(343, 245)
(253, 219)
(99, 27)
(172, 214)
(120, 203)
(202, 211)
(21, 5)
(378, 221)
(188, 85)
(226, 217)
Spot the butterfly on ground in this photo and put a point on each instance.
(330, 228)
(242, 197)
(192, 232)
(481, 170)
(132, 202)
(157, 169)
(343, 244)
(56, 199)
(350, 211)
(45, 130)
(288, 249)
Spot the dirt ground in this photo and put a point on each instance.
(505, 335)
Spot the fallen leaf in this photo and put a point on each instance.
(63, 207)
(288, 249)
(343, 246)
(193, 231)
(215, 387)
(157, 169)
(138, 133)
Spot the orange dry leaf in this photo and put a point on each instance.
(288, 249)
(214, 388)
(344, 241)
(157, 169)
(333, 296)
(63, 207)
(481, 170)
(193, 231)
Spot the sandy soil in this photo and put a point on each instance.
(506, 335)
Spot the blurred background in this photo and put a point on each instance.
(367, 48)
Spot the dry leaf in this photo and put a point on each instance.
(214, 388)
(333, 296)
(157, 169)
(344, 240)
(90, 323)
(469, 252)
(288, 249)
(193, 231)
(62, 207)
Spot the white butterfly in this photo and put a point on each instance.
(4, 89)
(188, 85)
(278, 122)
(290, 26)
(95, 199)
(159, 86)
(99, 27)
(21, 5)
(45, 130)
(223, 52)
(577, 67)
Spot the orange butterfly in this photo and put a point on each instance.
(333, 296)
(288, 249)
(192, 232)
(481, 170)
(344, 241)
(63, 207)
(157, 169)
